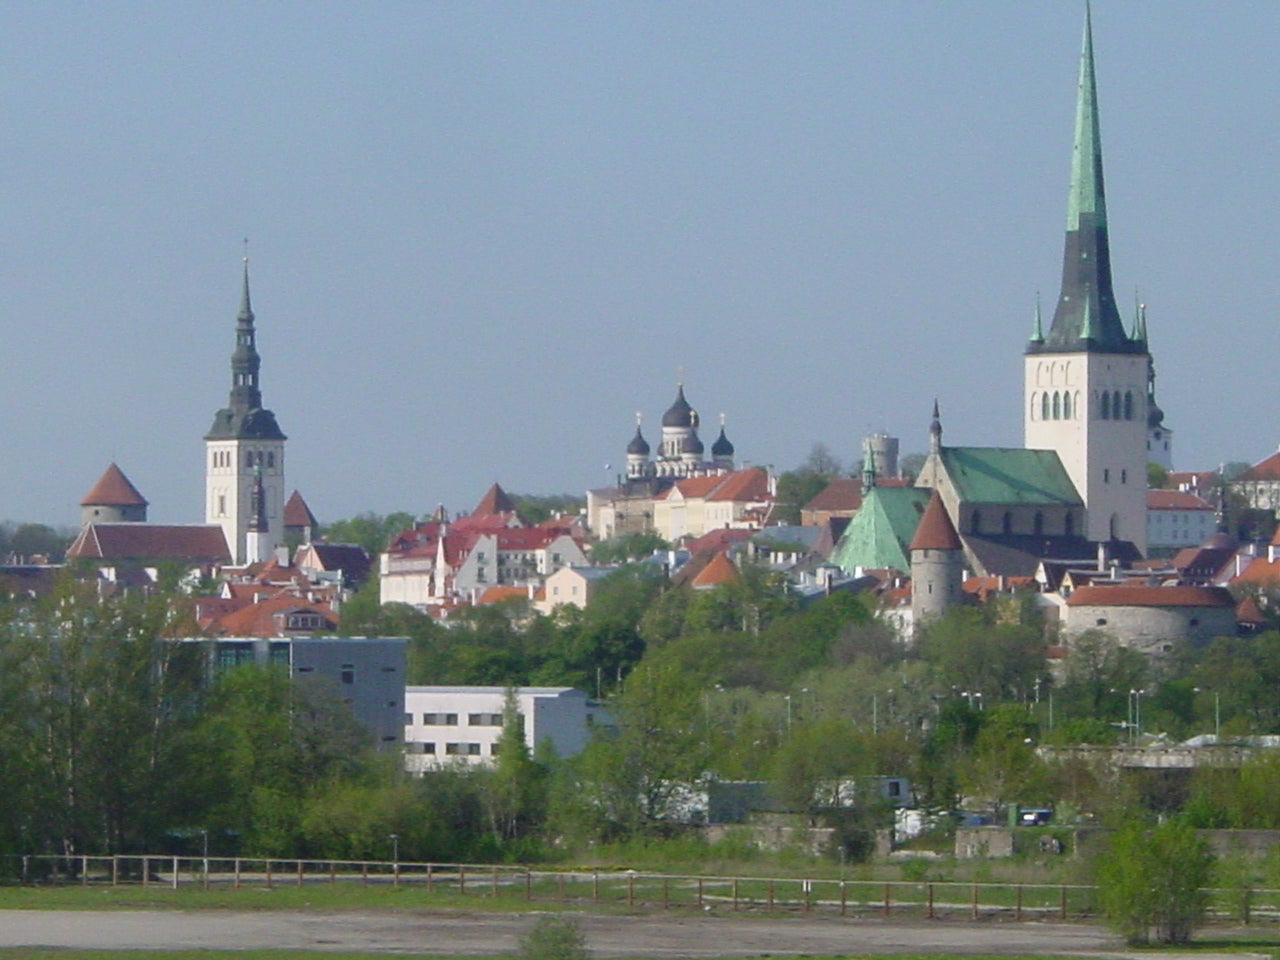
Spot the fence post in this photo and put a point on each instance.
(735, 894)
(887, 901)
(146, 870)
(631, 890)
(973, 901)
(235, 881)
(84, 871)
(333, 872)
(666, 898)
(528, 883)
(299, 873)
(699, 893)
(267, 867)
(930, 912)
(770, 893)
(428, 878)
(462, 878)
(115, 870)
(595, 886)
(844, 899)
(1063, 911)
(175, 873)
(1017, 910)
(395, 874)
(495, 881)
(364, 872)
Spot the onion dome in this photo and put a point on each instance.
(722, 447)
(691, 444)
(638, 447)
(679, 414)
(1155, 416)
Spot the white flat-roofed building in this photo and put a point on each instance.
(445, 725)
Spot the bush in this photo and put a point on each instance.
(554, 938)
(1155, 880)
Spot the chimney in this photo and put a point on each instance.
(1102, 557)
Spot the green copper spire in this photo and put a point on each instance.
(1087, 196)
(1086, 318)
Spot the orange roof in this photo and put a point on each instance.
(1129, 596)
(1259, 570)
(695, 486)
(719, 539)
(262, 619)
(1249, 612)
(113, 489)
(1268, 469)
(719, 570)
(1175, 500)
(749, 484)
(935, 531)
(501, 593)
(151, 541)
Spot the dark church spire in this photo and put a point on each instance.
(1086, 317)
(243, 417)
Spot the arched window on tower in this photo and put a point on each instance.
(1115, 527)
(1057, 405)
(1106, 405)
(1128, 404)
(1044, 405)
(1066, 406)
(1115, 405)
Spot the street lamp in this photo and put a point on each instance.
(1217, 712)
(395, 847)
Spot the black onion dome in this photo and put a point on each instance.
(680, 414)
(691, 444)
(638, 445)
(1155, 416)
(722, 447)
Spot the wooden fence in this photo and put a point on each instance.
(893, 898)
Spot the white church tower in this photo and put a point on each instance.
(1086, 379)
(244, 450)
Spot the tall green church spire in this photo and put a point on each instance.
(1086, 317)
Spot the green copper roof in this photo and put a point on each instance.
(997, 475)
(880, 531)
(1087, 194)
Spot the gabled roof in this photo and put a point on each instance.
(1008, 475)
(265, 618)
(718, 539)
(719, 569)
(494, 501)
(1175, 500)
(1248, 611)
(1268, 469)
(1130, 596)
(151, 541)
(501, 594)
(878, 535)
(750, 484)
(935, 530)
(842, 493)
(113, 489)
(350, 558)
(297, 513)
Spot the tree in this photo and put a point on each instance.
(514, 796)
(369, 530)
(1153, 881)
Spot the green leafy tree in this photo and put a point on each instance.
(515, 796)
(1152, 882)
(628, 546)
(369, 530)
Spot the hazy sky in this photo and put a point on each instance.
(482, 235)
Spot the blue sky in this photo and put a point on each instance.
(483, 235)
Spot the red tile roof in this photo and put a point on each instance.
(151, 541)
(113, 489)
(742, 485)
(499, 594)
(719, 539)
(297, 513)
(266, 618)
(719, 569)
(1261, 571)
(1130, 596)
(1268, 469)
(1249, 612)
(935, 531)
(842, 493)
(1175, 500)
(494, 501)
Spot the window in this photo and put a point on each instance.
(1057, 405)
(1100, 622)
(1066, 406)
(1124, 476)
(429, 748)
(348, 673)
(1044, 406)
(473, 749)
(1128, 404)
(1106, 476)
(1106, 405)
(408, 719)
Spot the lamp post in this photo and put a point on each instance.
(787, 697)
(1217, 712)
(395, 848)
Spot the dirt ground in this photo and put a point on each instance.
(483, 933)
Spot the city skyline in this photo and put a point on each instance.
(481, 238)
